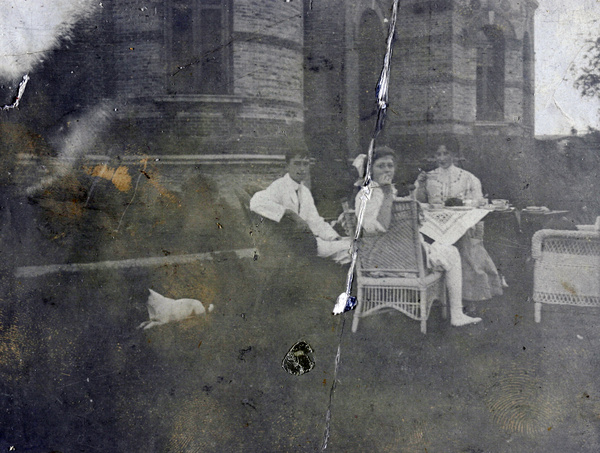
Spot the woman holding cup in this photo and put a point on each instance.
(450, 185)
(448, 181)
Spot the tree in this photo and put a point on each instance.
(588, 81)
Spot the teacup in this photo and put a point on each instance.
(500, 203)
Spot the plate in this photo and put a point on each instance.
(459, 208)
(536, 209)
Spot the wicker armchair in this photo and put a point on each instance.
(391, 271)
(567, 268)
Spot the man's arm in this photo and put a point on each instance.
(267, 203)
(317, 224)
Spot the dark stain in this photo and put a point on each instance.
(243, 352)
(207, 388)
(299, 359)
(48, 301)
(315, 64)
(249, 403)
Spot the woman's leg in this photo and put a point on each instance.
(447, 258)
(481, 280)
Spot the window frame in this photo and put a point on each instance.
(490, 56)
(172, 61)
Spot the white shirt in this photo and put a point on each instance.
(285, 193)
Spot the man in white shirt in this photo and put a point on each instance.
(288, 201)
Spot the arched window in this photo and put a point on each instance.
(198, 50)
(490, 74)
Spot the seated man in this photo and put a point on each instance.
(377, 218)
(289, 203)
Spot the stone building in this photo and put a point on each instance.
(460, 68)
(202, 83)
(219, 76)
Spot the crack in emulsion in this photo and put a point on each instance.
(344, 301)
(19, 96)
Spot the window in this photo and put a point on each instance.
(490, 74)
(199, 59)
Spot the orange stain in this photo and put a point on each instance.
(120, 176)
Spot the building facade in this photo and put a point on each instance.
(218, 76)
(243, 80)
(460, 68)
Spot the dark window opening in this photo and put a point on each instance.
(199, 59)
(490, 75)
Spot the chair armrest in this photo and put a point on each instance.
(540, 236)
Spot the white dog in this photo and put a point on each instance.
(163, 310)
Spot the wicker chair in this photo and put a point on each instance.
(391, 271)
(567, 268)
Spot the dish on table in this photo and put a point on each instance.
(536, 209)
(459, 208)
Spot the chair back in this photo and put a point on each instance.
(398, 251)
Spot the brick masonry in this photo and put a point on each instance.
(264, 107)
(295, 78)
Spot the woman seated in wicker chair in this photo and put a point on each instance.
(377, 218)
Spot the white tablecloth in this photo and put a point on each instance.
(447, 226)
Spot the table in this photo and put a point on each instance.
(502, 240)
(532, 221)
(507, 236)
(448, 225)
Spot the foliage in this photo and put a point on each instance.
(588, 81)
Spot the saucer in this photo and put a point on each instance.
(459, 208)
(536, 209)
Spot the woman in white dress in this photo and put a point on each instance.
(452, 185)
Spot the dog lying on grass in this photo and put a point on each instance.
(163, 310)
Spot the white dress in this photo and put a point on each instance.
(481, 280)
